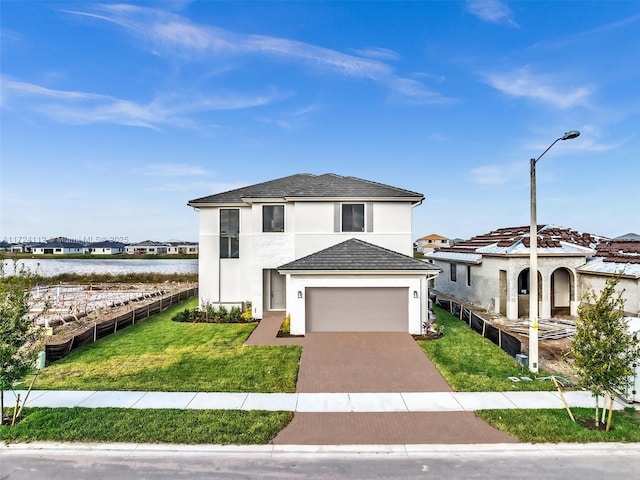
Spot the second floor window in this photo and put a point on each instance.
(229, 233)
(273, 218)
(453, 273)
(353, 217)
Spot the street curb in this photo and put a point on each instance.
(298, 451)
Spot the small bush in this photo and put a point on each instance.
(209, 314)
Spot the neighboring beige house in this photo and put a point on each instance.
(492, 270)
(334, 252)
(615, 258)
(182, 248)
(429, 243)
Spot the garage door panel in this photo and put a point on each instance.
(357, 309)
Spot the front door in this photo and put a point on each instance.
(277, 290)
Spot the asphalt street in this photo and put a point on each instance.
(446, 462)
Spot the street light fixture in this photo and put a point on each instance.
(533, 259)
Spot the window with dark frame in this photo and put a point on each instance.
(468, 275)
(229, 233)
(353, 217)
(273, 218)
(453, 272)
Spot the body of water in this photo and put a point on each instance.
(51, 267)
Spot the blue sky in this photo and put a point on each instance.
(114, 115)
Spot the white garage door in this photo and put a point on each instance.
(379, 309)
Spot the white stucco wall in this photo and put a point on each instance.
(314, 227)
(309, 228)
(299, 282)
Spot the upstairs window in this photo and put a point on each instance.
(229, 233)
(453, 273)
(273, 218)
(468, 275)
(353, 217)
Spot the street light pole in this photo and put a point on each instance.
(533, 259)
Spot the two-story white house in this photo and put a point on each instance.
(334, 252)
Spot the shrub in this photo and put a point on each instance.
(209, 314)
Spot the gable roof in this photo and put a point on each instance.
(357, 255)
(433, 236)
(516, 241)
(308, 186)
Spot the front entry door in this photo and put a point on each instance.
(277, 290)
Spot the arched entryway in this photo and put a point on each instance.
(523, 292)
(562, 292)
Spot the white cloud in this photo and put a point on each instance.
(378, 53)
(80, 108)
(492, 11)
(172, 170)
(499, 174)
(169, 33)
(522, 83)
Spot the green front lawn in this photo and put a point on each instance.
(219, 427)
(555, 425)
(162, 355)
(471, 363)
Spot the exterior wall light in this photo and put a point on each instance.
(415, 294)
(299, 293)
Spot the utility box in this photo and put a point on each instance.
(633, 390)
(522, 360)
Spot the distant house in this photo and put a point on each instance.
(58, 248)
(182, 248)
(5, 246)
(492, 270)
(147, 247)
(105, 248)
(616, 258)
(24, 247)
(429, 243)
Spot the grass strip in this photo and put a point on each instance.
(471, 363)
(161, 355)
(220, 427)
(555, 426)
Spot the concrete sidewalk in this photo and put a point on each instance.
(308, 402)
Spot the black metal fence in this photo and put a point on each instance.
(100, 330)
(504, 340)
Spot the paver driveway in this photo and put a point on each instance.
(366, 362)
(370, 362)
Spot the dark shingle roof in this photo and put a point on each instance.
(354, 254)
(306, 185)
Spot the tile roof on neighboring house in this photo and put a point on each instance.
(621, 251)
(357, 255)
(433, 236)
(306, 185)
(515, 241)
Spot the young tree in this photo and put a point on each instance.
(603, 348)
(19, 336)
